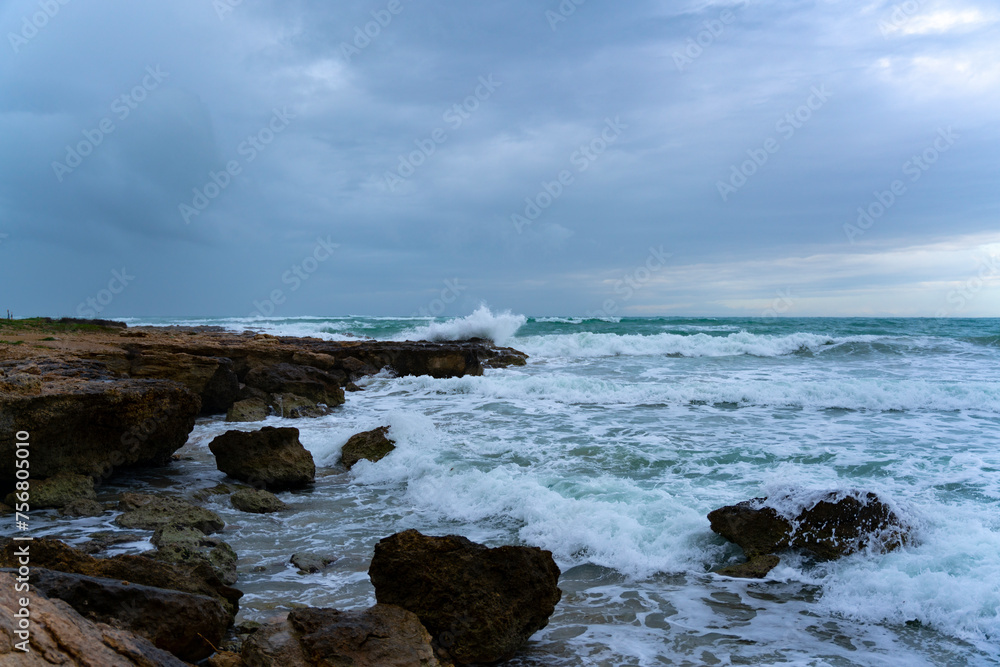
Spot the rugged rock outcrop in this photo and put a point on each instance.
(248, 410)
(256, 501)
(831, 526)
(85, 421)
(199, 578)
(210, 377)
(480, 604)
(272, 458)
(381, 636)
(59, 490)
(190, 547)
(371, 445)
(150, 512)
(184, 624)
(61, 636)
(316, 385)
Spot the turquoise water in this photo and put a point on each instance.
(614, 442)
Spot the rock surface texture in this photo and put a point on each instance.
(271, 458)
(371, 445)
(479, 604)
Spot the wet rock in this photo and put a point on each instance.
(829, 527)
(188, 546)
(310, 563)
(61, 636)
(381, 636)
(83, 507)
(257, 501)
(58, 490)
(101, 541)
(371, 445)
(198, 578)
(225, 659)
(248, 410)
(291, 406)
(153, 512)
(272, 458)
(212, 378)
(201, 495)
(313, 384)
(92, 423)
(184, 624)
(480, 604)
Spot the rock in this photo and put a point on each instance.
(201, 495)
(23, 384)
(371, 445)
(212, 378)
(93, 424)
(248, 410)
(184, 624)
(188, 546)
(832, 526)
(151, 512)
(225, 659)
(480, 604)
(198, 578)
(256, 501)
(291, 406)
(103, 540)
(310, 563)
(61, 636)
(83, 507)
(58, 490)
(380, 636)
(313, 384)
(272, 458)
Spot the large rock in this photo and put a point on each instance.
(832, 526)
(59, 490)
(480, 604)
(197, 578)
(212, 378)
(311, 383)
(381, 636)
(186, 625)
(95, 424)
(371, 445)
(189, 546)
(152, 512)
(272, 458)
(61, 636)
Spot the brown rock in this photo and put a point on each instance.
(61, 636)
(256, 501)
(186, 625)
(212, 378)
(311, 383)
(381, 636)
(480, 604)
(272, 458)
(59, 490)
(248, 410)
(371, 445)
(152, 512)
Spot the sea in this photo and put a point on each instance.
(611, 446)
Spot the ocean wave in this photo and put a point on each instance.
(482, 323)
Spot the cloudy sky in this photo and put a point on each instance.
(199, 157)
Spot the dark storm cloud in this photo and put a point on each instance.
(532, 150)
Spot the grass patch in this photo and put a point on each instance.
(11, 342)
(39, 324)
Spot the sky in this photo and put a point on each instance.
(550, 157)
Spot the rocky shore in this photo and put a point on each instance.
(97, 399)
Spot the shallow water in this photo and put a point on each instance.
(613, 444)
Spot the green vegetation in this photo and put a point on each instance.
(38, 324)
(11, 342)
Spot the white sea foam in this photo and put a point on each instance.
(482, 323)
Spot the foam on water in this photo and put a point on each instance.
(482, 323)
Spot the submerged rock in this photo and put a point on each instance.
(61, 636)
(292, 406)
(480, 604)
(152, 512)
(272, 458)
(310, 563)
(184, 624)
(371, 445)
(59, 490)
(833, 526)
(380, 636)
(83, 507)
(256, 501)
